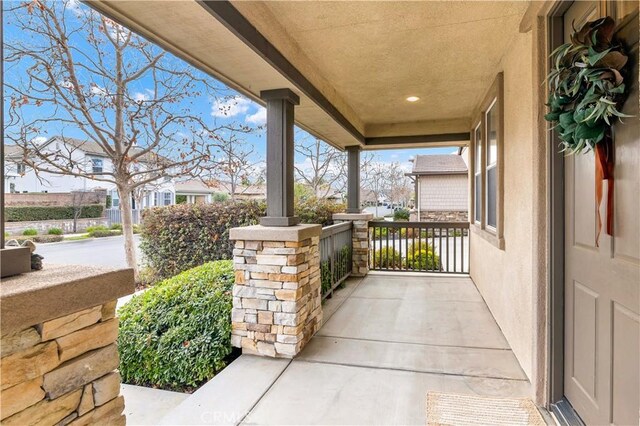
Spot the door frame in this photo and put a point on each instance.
(555, 163)
(556, 199)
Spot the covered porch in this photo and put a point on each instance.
(387, 340)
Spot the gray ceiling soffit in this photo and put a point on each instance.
(235, 22)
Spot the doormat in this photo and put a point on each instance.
(457, 410)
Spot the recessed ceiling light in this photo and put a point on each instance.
(413, 99)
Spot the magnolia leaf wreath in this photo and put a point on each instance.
(587, 86)
(587, 90)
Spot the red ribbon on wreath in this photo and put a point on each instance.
(604, 171)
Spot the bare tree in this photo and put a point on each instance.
(342, 165)
(324, 165)
(396, 185)
(72, 68)
(233, 161)
(78, 199)
(373, 179)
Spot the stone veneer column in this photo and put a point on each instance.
(360, 239)
(59, 356)
(276, 296)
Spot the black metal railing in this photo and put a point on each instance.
(336, 248)
(419, 246)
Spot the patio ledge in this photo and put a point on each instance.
(275, 233)
(353, 216)
(59, 290)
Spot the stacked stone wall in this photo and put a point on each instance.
(276, 297)
(62, 371)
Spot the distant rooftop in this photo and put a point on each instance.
(439, 165)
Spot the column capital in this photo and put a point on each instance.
(353, 148)
(280, 94)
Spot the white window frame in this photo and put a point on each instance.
(477, 173)
(493, 98)
(93, 165)
(115, 199)
(167, 198)
(487, 167)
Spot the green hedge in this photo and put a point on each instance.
(401, 214)
(177, 334)
(35, 213)
(176, 238)
(38, 238)
(317, 210)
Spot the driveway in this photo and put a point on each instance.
(108, 251)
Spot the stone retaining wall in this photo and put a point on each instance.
(97, 196)
(61, 371)
(276, 297)
(58, 346)
(440, 216)
(16, 228)
(360, 240)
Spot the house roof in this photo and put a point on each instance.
(86, 146)
(211, 187)
(13, 151)
(194, 186)
(438, 165)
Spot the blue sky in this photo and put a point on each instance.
(236, 108)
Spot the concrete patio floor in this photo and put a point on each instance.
(386, 341)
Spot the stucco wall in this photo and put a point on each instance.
(504, 277)
(444, 192)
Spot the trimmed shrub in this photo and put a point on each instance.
(39, 238)
(116, 226)
(91, 229)
(422, 258)
(137, 229)
(220, 197)
(54, 231)
(179, 237)
(401, 214)
(387, 257)
(30, 231)
(108, 201)
(177, 334)
(181, 199)
(107, 233)
(317, 210)
(36, 213)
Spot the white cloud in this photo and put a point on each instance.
(143, 96)
(230, 107)
(140, 97)
(258, 118)
(39, 140)
(97, 90)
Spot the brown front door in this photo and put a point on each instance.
(602, 284)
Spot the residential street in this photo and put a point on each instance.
(107, 251)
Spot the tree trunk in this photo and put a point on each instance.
(127, 230)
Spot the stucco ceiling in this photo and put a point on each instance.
(365, 58)
(376, 54)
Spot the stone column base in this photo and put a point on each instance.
(276, 296)
(360, 238)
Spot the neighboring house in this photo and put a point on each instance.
(242, 192)
(21, 178)
(195, 191)
(441, 188)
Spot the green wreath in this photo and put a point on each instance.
(587, 86)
